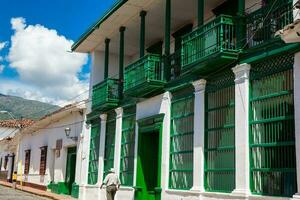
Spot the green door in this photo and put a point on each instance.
(148, 167)
(71, 168)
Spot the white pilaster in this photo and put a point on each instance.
(242, 164)
(199, 131)
(118, 138)
(85, 152)
(103, 118)
(297, 118)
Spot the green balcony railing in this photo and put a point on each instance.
(105, 94)
(217, 36)
(144, 76)
(263, 23)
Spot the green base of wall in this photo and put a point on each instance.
(59, 188)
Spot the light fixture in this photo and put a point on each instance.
(68, 132)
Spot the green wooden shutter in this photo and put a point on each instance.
(272, 133)
(109, 151)
(220, 133)
(181, 146)
(127, 146)
(94, 153)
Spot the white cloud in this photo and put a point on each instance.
(2, 45)
(46, 69)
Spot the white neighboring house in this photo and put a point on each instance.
(8, 130)
(47, 157)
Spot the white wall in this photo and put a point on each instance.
(47, 137)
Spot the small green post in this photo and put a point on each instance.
(200, 12)
(142, 33)
(106, 60)
(167, 39)
(241, 29)
(121, 62)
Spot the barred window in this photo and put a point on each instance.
(43, 160)
(94, 153)
(181, 146)
(127, 146)
(109, 142)
(27, 161)
(220, 133)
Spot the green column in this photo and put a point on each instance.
(121, 62)
(200, 12)
(106, 59)
(167, 39)
(142, 33)
(241, 29)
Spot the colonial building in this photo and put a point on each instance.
(8, 149)
(50, 151)
(193, 99)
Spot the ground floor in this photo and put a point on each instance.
(228, 136)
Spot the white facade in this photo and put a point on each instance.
(47, 132)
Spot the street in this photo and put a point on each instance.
(7, 193)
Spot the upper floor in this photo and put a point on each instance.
(141, 48)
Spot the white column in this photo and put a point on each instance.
(84, 150)
(242, 164)
(102, 147)
(118, 138)
(297, 118)
(199, 131)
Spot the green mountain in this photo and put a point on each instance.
(20, 107)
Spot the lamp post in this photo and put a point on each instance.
(68, 132)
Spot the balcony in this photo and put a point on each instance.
(263, 23)
(144, 77)
(210, 46)
(105, 95)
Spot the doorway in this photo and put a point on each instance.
(148, 179)
(70, 169)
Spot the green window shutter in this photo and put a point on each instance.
(109, 151)
(127, 146)
(220, 133)
(272, 133)
(94, 153)
(182, 141)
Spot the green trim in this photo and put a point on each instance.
(142, 33)
(106, 59)
(97, 24)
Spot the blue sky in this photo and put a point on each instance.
(20, 19)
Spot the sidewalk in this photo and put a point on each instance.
(41, 193)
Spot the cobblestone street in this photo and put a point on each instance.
(7, 193)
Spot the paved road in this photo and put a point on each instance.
(11, 194)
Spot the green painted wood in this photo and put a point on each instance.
(121, 61)
(105, 95)
(94, 153)
(142, 33)
(144, 76)
(220, 133)
(201, 12)
(127, 146)
(214, 38)
(167, 39)
(149, 162)
(272, 134)
(106, 59)
(181, 138)
(263, 23)
(75, 190)
(109, 151)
